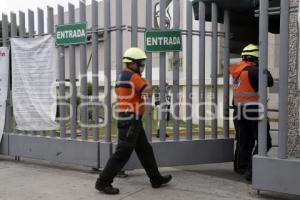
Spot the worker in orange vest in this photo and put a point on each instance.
(246, 109)
(130, 89)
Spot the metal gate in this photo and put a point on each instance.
(280, 174)
(85, 145)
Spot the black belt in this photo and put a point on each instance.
(129, 114)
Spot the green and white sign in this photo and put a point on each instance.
(163, 41)
(69, 34)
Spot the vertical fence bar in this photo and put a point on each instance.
(61, 74)
(214, 70)
(95, 70)
(31, 35)
(263, 62)
(14, 33)
(83, 78)
(226, 58)
(40, 21)
(189, 71)
(148, 111)
(40, 33)
(176, 66)
(50, 20)
(30, 23)
(134, 23)
(119, 36)
(22, 24)
(202, 70)
(107, 70)
(50, 30)
(5, 44)
(22, 30)
(283, 83)
(13, 27)
(72, 70)
(4, 30)
(162, 76)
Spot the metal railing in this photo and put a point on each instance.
(90, 132)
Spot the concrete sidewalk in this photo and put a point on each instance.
(38, 180)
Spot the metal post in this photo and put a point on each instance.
(162, 76)
(50, 20)
(283, 83)
(72, 69)
(189, 71)
(30, 23)
(107, 70)
(83, 78)
(202, 70)
(40, 21)
(263, 62)
(95, 70)
(31, 34)
(119, 37)
(22, 23)
(148, 110)
(13, 27)
(40, 33)
(226, 58)
(61, 74)
(4, 30)
(13, 32)
(214, 71)
(134, 23)
(5, 44)
(176, 66)
(50, 30)
(22, 30)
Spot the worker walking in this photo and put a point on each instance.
(246, 108)
(130, 89)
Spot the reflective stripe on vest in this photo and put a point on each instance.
(254, 94)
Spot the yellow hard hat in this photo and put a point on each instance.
(251, 50)
(133, 54)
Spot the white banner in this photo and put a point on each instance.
(4, 65)
(34, 83)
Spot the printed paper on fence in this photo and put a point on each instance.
(34, 83)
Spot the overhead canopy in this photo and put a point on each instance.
(244, 25)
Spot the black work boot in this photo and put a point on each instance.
(106, 188)
(164, 180)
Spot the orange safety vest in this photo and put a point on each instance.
(128, 91)
(242, 89)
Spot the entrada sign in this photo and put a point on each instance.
(163, 41)
(70, 34)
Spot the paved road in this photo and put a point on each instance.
(36, 180)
